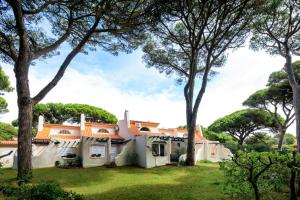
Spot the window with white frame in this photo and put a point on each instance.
(102, 130)
(97, 151)
(158, 149)
(64, 131)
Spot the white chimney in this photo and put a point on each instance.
(200, 130)
(41, 123)
(126, 118)
(82, 122)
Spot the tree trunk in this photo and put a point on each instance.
(296, 102)
(25, 122)
(281, 137)
(190, 158)
(293, 185)
(256, 191)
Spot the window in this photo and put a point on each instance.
(102, 130)
(97, 151)
(64, 131)
(158, 149)
(145, 129)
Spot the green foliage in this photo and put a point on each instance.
(214, 136)
(260, 142)
(7, 131)
(273, 25)
(267, 171)
(289, 139)
(4, 82)
(132, 159)
(242, 123)
(59, 113)
(4, 87)
(43, 191)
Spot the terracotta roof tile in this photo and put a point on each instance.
(8, 143)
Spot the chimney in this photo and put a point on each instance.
(82, 122)
(199, 129)
(126, 118)
(41, 123)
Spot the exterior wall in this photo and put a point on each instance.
(45, 155)
(7, 162)
(200, 151)
(55, 131)
(87, 160)
(140, 149)
(153, 161)
(95, 130)
(127, 149)
(124, 132)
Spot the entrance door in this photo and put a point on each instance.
(113, 153)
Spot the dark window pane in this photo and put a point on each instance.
(155, 151)
(162, 150)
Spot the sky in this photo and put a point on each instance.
(123, 82)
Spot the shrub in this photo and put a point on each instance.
(132, 159)
(43, 191)
(254, 173)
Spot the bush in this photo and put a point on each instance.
(43, 191)
(132, 159)
(255, 173)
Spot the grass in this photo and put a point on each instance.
(202, 182)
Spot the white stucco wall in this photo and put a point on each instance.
(87, 160)
(95, 130)
(123, 130)
(45, 155)
(7, 162)
(140, 149)
(55, 131)
(153, 161)
(127, 149)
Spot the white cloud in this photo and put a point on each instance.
(244, 73)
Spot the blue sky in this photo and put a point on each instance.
(121, 82)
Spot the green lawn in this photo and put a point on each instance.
(202, 182)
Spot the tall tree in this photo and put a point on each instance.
(191, 40)
(276, 29)
(111, 24)
(242, 123)
(272, 99)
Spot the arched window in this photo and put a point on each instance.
(64, 131)
(144, 129)
(102, 130)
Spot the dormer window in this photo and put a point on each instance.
(64, 131)
(102, 130)
(145, 129)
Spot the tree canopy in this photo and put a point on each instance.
(7, 131)
(59, 113)
(242, 123)
(5, 86)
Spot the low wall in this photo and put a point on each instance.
(7, 162)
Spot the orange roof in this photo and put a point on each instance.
(66, 137)
(8, 143)
(167, 131)
(45, 134)
(88, 131)
(143, 123)
(62, 126)
(100, 125)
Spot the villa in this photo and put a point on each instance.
(97, 144)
